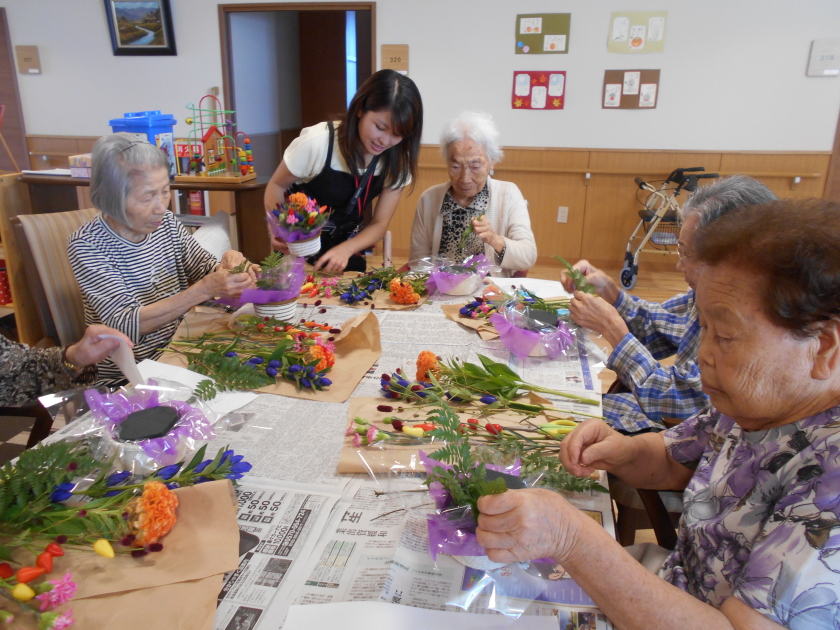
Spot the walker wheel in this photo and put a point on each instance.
(628, 278)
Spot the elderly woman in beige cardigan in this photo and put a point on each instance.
(496, 210)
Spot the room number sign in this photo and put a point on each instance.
(395, 57)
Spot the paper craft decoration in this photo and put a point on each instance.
(630, 89)
(539, 89)
(542, 33)
(637, 32)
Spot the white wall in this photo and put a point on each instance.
(733, 72)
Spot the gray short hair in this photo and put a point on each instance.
(117, 157)
(478, 127)
(710, 203)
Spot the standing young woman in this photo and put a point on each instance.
(371, 154)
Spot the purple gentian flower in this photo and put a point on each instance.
(117, 478)
(62, 492)
(167, 472)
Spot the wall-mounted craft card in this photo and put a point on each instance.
(543, 33)
(538, 89)
(637, 32)
(630, 89)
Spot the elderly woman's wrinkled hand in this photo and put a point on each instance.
(594, 446)
(487, 234)
(520, 525)
(595, 313)
(223, 283)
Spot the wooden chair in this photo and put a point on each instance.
(43, 242)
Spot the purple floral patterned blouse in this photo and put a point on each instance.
(762, 517)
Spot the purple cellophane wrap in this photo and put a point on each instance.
(288, 233)
(111, 409)
(521, 341)
(447, 533)
(444, 281)
(289, 279)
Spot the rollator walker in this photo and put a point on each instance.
(660, 219)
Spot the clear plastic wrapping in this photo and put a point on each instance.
(453, 277)
(527, 330)
(197, 423)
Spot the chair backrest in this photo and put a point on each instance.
(45, 236)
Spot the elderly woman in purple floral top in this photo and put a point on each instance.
(759, 540)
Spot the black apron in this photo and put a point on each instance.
(348, 197)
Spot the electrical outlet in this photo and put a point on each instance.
(562, 214)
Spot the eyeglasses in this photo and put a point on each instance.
(683, 255)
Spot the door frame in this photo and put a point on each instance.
(224, 31)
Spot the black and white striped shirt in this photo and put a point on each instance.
(118, 277)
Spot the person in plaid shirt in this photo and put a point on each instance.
(641, 333)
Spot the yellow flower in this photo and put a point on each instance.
(23, 592)
(103, 548)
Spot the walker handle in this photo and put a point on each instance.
(640, 182)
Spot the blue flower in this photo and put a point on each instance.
(173, 485)
(309, 369)
(421, 394)
(487, 399)
(240, 467)
(62, 492)
(231, 354)
(167, 472)
(112, 493)
(272, 371)
(324, 381)
(427, 385)
(305, 382)
(117, 478)
(274, 363)
(256, 360)
(294, 369)
(465, 310)
(402, 382)
(276, 213)
(345, 297)
(201, 479)
(202, 466)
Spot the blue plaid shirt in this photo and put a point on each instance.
(656, 331)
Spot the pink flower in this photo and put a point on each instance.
(291, 219)
(357, 440)
(474, 315)
(63, 592)
(371, 434)
(64, 621)
(350, 430)
(328, 292)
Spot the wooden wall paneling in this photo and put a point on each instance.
(611, 204)
(832, 185)
(14, 200)
(431, 171)
(788, 163)
(536, 173)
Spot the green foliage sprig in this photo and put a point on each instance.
(581, 283)
(466, 481)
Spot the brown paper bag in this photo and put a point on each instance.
(382, 457)
(357, 348)
(381, 300)
(483, 327)
(174, 589)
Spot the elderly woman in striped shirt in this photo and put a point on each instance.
(138, 268)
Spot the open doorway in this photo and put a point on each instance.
(291, 65)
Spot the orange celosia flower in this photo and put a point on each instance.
(427, 363)
(327, 358)
(152, 514)
(403, 292)
(298, 199)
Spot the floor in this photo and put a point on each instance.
(655, 286)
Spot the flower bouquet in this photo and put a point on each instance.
(455, 278)
(299, 222)
(405, 288)
(58, 504)
(258, 352)
(278, 287)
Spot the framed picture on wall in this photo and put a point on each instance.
(140, 27)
